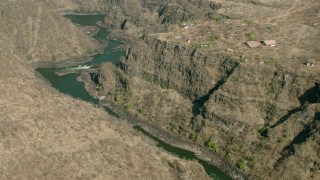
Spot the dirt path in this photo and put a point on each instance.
(284, 15)
(301, 34)
(34, 29)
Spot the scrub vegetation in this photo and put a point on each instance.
(195, 75)
(49, 135)
(260, 111)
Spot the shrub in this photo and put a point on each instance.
(99, 87)
(251, 36)
(61, 55)
(264, 131)
(241, 165)
(167, 67)
(89, 49)
(29, 58)
(213, 37)
(213, 146)
(194, 45)
(253, 158)
(266, 27)
(249, 21)
(283, 138)
(177, 117)
(118, 98)
(243, 59)
(128, 107)
(193, 136)
(217, 18)
(270, 94)
(141, 110)
(272, 61)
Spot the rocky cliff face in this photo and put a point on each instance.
(264, 108)
(259, 107)
(261, 94)
(173, 69)
(182, 10)
(262, 117)
(177, 67)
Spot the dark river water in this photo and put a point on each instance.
(68, 84)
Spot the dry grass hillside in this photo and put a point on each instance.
(35, 27)
(48, 135)
(293, 23)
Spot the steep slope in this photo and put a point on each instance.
(48, 135)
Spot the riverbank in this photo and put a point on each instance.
(72, 61)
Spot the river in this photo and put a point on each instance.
(68, 84)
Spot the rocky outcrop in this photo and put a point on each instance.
(176, 67)
(259, 102)
(258, 95)
(182, 11)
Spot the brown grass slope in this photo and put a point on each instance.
(36, 30)
(47, 135)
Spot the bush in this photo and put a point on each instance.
(61, 55)
(167, 67)
(99, 87)
(217, 18)
(128, 107)
(118, 98)
(213, 37)
(243, 59)
(89, 49)
(249, 21)
(177, 117)
(272, 61)
(193, 136)
(141, 110)
(29, 57)
(251, 36)
(264, 131)
(213, 146)
(241, 165)
(253, 158)
(266, 27)
(283, 138)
